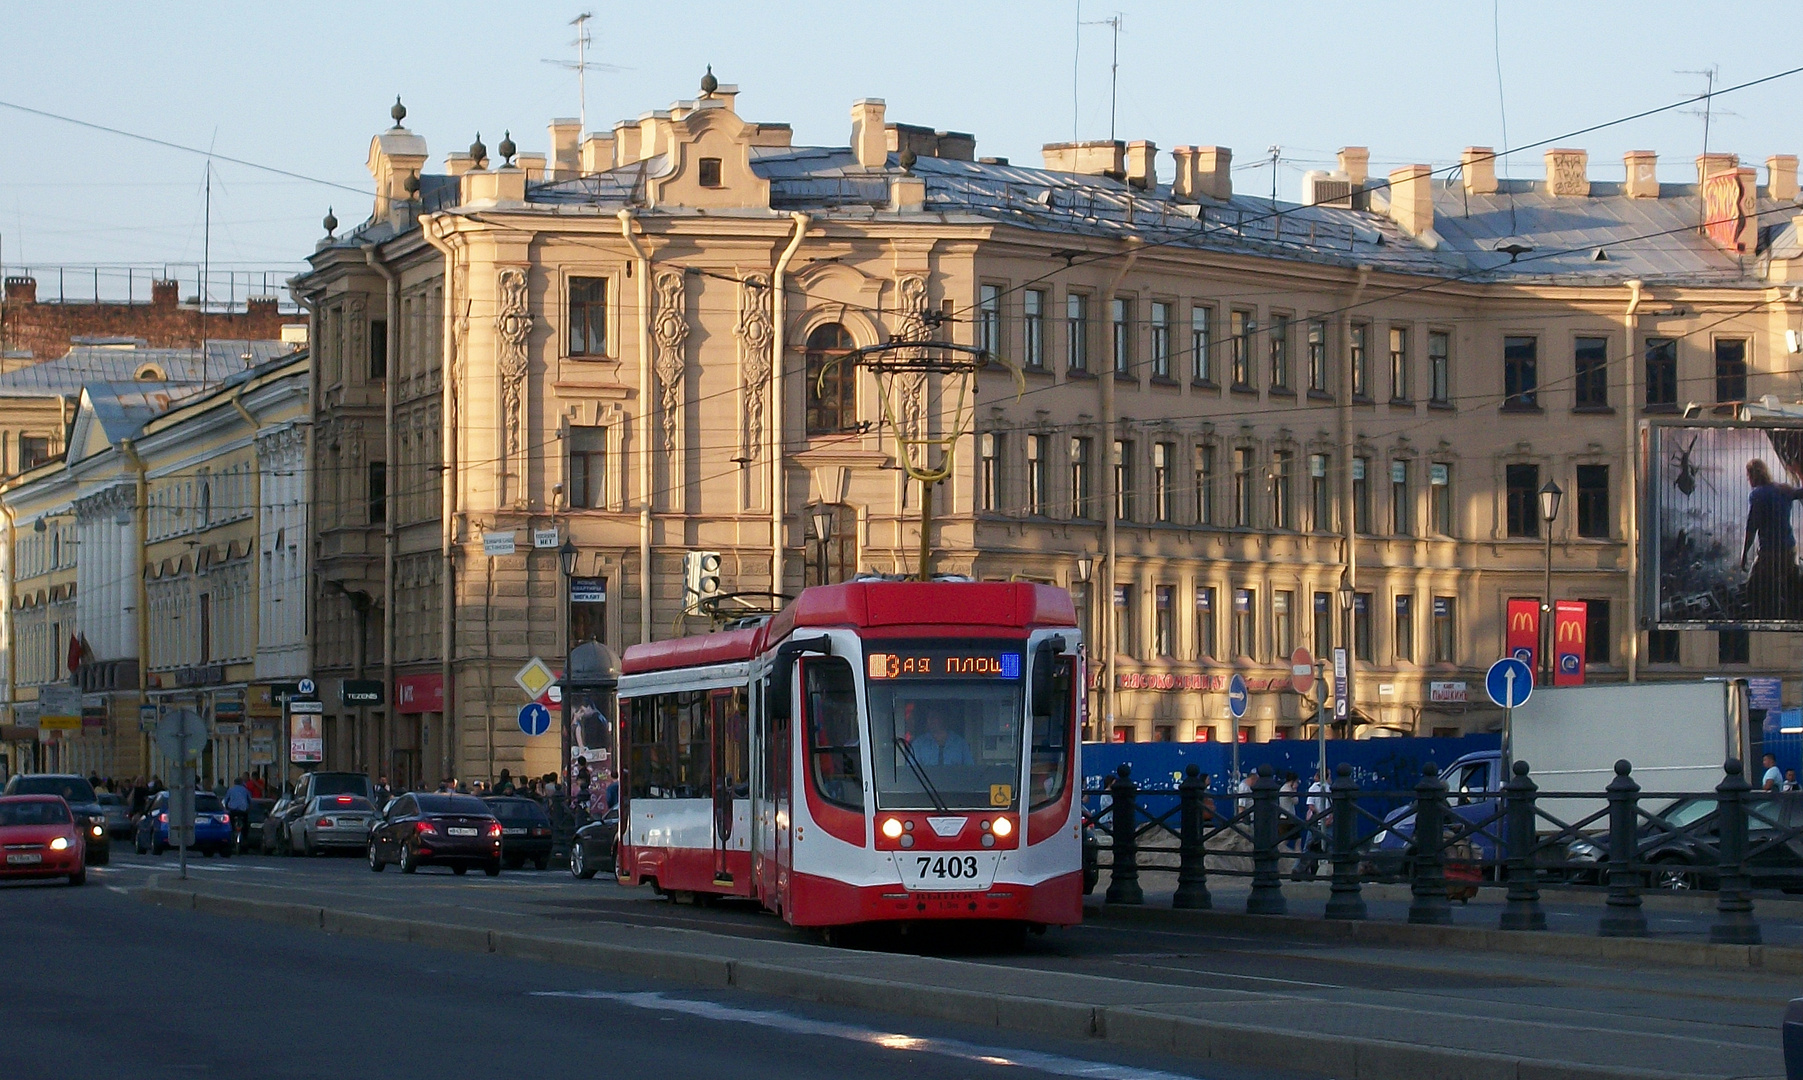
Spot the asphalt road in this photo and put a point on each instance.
(99, 985)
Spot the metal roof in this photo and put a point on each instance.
(88, 364)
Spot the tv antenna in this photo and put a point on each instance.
(581, 65)
(1114, 66)
(1709, 75)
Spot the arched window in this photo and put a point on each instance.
(206, 504)
(832, 404)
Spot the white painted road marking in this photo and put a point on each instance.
(1054, 1064)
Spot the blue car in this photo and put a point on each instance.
(212, 826)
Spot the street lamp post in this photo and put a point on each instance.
(1086, 566)
(823, 532)
(1347, 597)
(1550, 496)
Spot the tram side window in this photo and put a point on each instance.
(694, 747)
(1052, 741)
(729, 720)
(668, 751)
(834, 747)
(647, 764)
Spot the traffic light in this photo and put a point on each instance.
(700, 577)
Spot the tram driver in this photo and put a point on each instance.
(934, 742)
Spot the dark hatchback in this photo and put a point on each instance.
(458, 831)
(525, 831)
(79, 794)
(593, 848)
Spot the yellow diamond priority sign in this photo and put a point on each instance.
(535, 678)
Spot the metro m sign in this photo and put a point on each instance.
(1571, 619)
(1522, 631)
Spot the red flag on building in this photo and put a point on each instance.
(1571, 623)
(75, 651)
(1522, 637)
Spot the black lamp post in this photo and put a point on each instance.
(566, 558)
(823, 532)
(1086, 567)
(1347, 598)
(1550, 496)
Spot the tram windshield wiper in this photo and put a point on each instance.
(920, 773)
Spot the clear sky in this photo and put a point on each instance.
(302, 87)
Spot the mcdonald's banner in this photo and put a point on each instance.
(1523, 631)
(1571, 620)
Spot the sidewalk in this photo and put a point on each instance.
(1349, 1010)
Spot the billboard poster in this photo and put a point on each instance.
(306, 732)
(1571, 620)
(1720, 532)
(1522, 639)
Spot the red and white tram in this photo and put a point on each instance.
(876, 751)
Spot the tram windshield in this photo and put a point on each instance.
(945, 723)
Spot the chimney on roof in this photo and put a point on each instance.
(1211, 172)
(165, 294)
(533, 165)
(24, 290)
(1412, 199)
(1781, 177)
(907, 193)
(566, 155)
(869, 139)
(1142, 164)
(1477, 165)
(1094, 158)
(597, 154)
(1567, 172)
(458, 163)
(1355, 162)
(1643, 174)
(1710, 164)
(626, 143)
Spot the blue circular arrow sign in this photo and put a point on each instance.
(1509, 682)
(535, 719)
(1236, 696)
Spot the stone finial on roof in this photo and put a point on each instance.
(506, 148)
(709, 84)
(331, 222)
(478, 153)
(399, 112)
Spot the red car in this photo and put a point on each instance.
(40, 839)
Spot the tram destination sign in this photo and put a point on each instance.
(941, 664)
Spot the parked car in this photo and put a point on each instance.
(1687, 859)
(116, 813)
(42, 838)
(525, 831)
(457, 831)
(592, 850)
(333, 821)
(79, 794)
(278, 826)
(252, 840)
(212, 826)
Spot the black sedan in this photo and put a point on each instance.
(593, 849)
(79, 794)
(525, 831)
(1680, 843)
(458, 831)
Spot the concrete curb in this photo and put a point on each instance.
(1123, 1025)
(1776, 959)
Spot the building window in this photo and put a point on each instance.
(1161, 340)
(1596, 631)
(709, 172)
(588, 316)
(1205, 623)
(1446, 629)
(206, 627)
(1405, 628)
(1205, 485)
(1320, 493)
(1164, 621)
(989, 319)
(989, 447)
(1201, 344)
(1076, 331)
(1243, 487)
(1662, 646)
(1439, 367)
(832, 390)
(1080, 476)
(1593, 501)
(1361, 626)
(1161, 480)
(1283, 465)
(1037, 454)
(1361, 495)
(1317, 355)
(1123, 480)
(1524, 501)
(1730, 369)
(1283, 626)
(378, 349)
(1661, 372)
(1245, 623)
(1279, 336)
(1521, 377)
(1590, 357)
(588, 468)
(34, 450)
(378, 493)
(1323, 624)
(1439, 487)
(1033, 328)
(1122, 315)
(1733, 647)
(1402, 520)
(1123, 620)
(1399, 363)
(1361, 368)
(1241, 328)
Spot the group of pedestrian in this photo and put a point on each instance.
(1775, 781)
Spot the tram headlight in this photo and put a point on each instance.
(1002, 826)
(892, 828)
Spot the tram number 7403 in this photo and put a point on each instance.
(947, 866)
